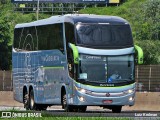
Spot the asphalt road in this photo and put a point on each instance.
(105, 114)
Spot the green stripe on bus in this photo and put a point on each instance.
(75, 53)
(106, 86)
(54, 67)
(140, 54)
(110, 86)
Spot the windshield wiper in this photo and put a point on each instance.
(82, 80)
(121, 80)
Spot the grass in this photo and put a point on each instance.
(113, 10)
(74, 118)
(127, 10)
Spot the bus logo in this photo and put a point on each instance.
(107, 94)
(49, 58)
(106, 85)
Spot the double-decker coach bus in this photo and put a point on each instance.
(75, 61)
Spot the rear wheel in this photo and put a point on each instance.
(116, 109)
(32, 103)
(26, 100)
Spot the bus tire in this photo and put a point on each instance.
(26, 100)
(65, 105)
(32, 103)
(116, 109)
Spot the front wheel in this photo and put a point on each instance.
(116, 109)
(65, 105)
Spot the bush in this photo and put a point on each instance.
(151, 51)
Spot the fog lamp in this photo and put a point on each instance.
(131, 99)
(81, 99)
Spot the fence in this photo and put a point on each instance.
(146, 76)
(5, 80)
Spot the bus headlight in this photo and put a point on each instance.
(81, 90)
(129, 91)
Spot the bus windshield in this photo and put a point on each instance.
(104, 35)
(106, 69)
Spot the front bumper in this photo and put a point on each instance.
(94, 100)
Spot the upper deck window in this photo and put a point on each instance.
(104, 35)
(43, 37)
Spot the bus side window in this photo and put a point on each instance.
(25, 39)
(52, 39)
(17, 39)
(69, 34)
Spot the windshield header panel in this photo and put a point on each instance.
(104, 35)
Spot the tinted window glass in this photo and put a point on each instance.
(50, 37)
(69, 33)
(122, 35)
(106, 69)
(104, 35)
(45, 37)
(17, 35)
(25, 39)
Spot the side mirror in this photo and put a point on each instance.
(140, 54)
(75, 53)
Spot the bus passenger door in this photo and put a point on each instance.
(61, 76)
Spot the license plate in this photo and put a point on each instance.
(107, 101)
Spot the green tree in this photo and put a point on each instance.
(4, 45)
(147, 21)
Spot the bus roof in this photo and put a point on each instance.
(75, 18)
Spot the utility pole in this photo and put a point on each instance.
(37, 8)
